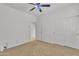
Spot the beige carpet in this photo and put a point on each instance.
(39, 48)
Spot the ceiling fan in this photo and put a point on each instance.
(38, 6)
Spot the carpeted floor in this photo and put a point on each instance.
(39, 48)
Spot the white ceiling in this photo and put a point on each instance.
(24, 7)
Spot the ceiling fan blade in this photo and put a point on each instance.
(32, 3)
(40, 10)
(45, 5)
(32, 9)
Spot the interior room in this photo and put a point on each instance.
(39, 29)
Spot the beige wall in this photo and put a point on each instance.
(60, 26)
(14, 26)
